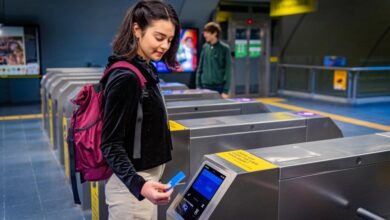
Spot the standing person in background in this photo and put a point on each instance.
(149, 32)
(214, 70)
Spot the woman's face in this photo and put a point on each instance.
(155, 40)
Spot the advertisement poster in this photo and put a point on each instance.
(186, 54)
(12, 50)
(240, 44)
(14, 56)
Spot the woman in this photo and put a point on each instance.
(149, 32)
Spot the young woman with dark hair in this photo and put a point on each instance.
(149, 32)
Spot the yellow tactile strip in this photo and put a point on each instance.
(277, 103)
(18, 117)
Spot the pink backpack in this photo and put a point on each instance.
(85, 131)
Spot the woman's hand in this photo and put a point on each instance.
(156, 192)
(225, 96)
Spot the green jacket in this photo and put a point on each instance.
(215, 66)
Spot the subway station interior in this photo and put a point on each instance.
(303, 134)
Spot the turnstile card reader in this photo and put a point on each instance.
(190, 94)
(213, 108)
(342, 178)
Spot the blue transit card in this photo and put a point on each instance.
(176, 179)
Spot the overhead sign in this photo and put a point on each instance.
(291, 7)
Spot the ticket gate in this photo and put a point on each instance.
(53, 92)
(344, 178)
(191, 109)
(173, 86)
(44, 96)
(190, 94)
(213, 108)
(51, 72)
(194, 138)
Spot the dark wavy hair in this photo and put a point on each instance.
(144, 13)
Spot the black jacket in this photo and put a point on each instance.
(121, 97)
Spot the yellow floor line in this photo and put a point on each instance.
(333, 116)
(18, 117)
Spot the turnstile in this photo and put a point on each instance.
(190, 94)
(51, 72)
(173, 86)
(213, 108)
(45, 87)
(190, 109)
(194, 138)
(343, 178)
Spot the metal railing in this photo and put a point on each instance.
(353, 74)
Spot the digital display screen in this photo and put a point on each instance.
(207, 183)
(186, 55)
(19, 53)
(200, 193)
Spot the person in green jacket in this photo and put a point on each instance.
(214, 70)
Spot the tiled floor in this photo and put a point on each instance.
(33, 186)
(32, 181)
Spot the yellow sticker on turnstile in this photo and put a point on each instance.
(174, 126)
(95, 200)
(246, 161)
(66, 147)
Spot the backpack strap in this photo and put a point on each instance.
(139, 119)
(72, 161)
(124, 65)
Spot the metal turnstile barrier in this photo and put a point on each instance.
(194, 138)
(213, 108)
(45, 87)
(190, 94)
(344, 178)
(51, 72)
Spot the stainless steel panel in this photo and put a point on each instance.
(217, 134)
(370, 148)
(337, 194)
(243, 140)
(356, 178)
(213, 108)
(190, 94)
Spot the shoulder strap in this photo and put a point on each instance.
(125, 65)
(139, 119)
